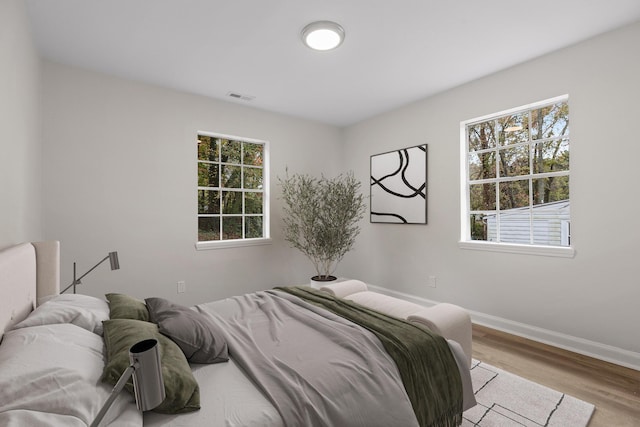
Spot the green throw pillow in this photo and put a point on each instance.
(125, 307)
(182, 391)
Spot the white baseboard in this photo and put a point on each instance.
(619, 356)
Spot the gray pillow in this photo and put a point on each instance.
(200, 339)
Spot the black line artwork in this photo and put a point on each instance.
(399, 186)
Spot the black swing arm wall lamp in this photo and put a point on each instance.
(113, 260)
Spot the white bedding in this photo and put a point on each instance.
(81, 310)
(50, 366)
(229, 399)
(50, 376)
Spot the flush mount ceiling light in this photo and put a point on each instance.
(323, 35)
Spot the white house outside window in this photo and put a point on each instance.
(515, 167)
(233, 205)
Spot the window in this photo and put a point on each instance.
(516, 179)
(232, 191)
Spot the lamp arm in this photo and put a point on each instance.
(77, 281)
(93, 268)
(114, 393)
(67, 288)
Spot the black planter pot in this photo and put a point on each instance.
(324, 278)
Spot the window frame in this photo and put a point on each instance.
(266, 212)
(465, 241)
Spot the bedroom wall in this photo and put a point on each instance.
(589, 303)
(120, 170)
(119, 175)
(20, 145)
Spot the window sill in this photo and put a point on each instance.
(223, 244)
(551, 251)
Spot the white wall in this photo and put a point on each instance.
(20, 147)
(593, 297)
(120, 169)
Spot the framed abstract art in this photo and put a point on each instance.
(399, 186)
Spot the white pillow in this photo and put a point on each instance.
(81, 310)
(342, 289)
(390, 306)
(20, 418)
(55, 370)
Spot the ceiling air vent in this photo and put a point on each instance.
(237, 95)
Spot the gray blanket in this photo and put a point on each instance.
(317, 370)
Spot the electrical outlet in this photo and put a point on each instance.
(432, 281)
(182, 287)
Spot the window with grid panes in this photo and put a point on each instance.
(516, 176)
(232, 197)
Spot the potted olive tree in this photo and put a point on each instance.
(321, 218)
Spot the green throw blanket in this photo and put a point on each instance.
(425, 362)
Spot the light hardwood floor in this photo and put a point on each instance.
(614, 390)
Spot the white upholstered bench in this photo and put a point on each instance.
(450, 321)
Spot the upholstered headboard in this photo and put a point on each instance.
(29, 273)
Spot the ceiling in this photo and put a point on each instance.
(395, 52)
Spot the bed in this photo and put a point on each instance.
(280, 357)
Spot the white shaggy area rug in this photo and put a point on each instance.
(507, 400)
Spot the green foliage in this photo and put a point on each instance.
(321, 217)
(478, 228)
(226, 167)
(524, 145)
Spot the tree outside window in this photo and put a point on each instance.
(517, 175)
(231, 193)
